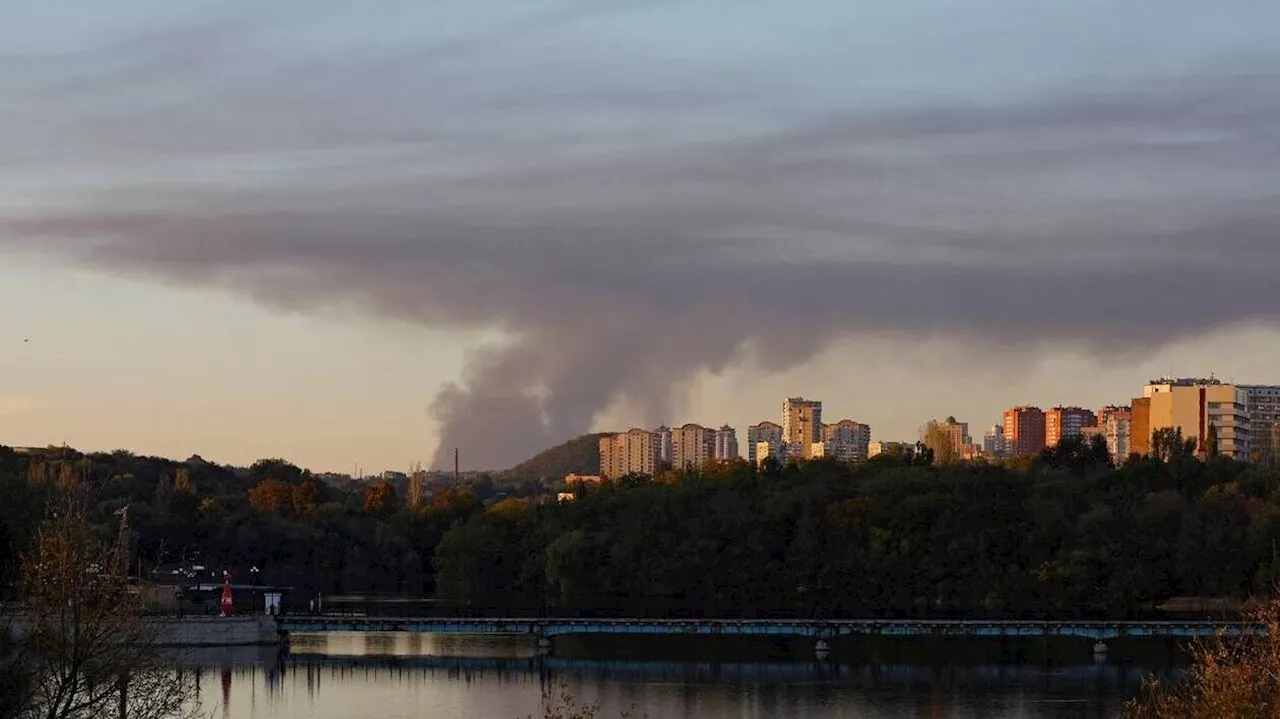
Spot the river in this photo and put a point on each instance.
(384, 676)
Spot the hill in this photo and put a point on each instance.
(580, 455)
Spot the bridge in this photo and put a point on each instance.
(693, 671)
(820, 630)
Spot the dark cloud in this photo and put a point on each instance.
(621, 258)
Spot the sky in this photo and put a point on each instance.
(357, 235)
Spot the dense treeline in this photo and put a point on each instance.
(1062, 533)
(297, 530)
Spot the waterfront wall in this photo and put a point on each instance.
(198, 631)
(217, 632)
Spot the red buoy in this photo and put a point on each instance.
(226, 594)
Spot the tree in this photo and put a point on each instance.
(182, 481)
(306, 496)
(1230, 677)
(938, 438)
(380, 499)
(569, 567)
(492, 561)
(1074, 454)
(1210, 444)
(272, 496)
(15, 676)
(1167, 444)
(416, 489)
(85, 650)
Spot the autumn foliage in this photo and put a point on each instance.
(274, 496)
(1233, 676)
(380, 498)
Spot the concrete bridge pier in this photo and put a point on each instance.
(544, 642)
(822, 646)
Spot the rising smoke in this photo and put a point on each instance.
(627, 226)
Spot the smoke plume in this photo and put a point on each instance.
(628, 216)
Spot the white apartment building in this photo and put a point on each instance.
(1117, 429)
(637, 451)
(692, 445)
(727, 443)
(665, 450)
(993, 444)
(1263, 405)
(847, 440)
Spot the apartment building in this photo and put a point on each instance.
(665, 449)
(1193, 405)
(1115, 425)
(1263, 405)
(727, 443)
(1062, 422)
(637, 451)
(801, 426)
(766, 432)
(692, 445)
(1024, 431)
(875, 449)
(993, 443)
(847, 440)
(765, 449)
(1140, 426)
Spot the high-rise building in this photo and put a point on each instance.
(1104, 412)
(1024, 431)
(637, 451)
(1140, 426)
(664, 445)
(765, 449)
(1061, 422)
(958, 432)
(1193, 405)
(846, 440)
(691, 446)
(801, 426)
(1263, 404)
(727, 443)
(993, 444)
(1115, 425)
(763, 432)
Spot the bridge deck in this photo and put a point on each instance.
(818, 629)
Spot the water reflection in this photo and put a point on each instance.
(384, 676)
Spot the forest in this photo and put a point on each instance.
(1060, 534)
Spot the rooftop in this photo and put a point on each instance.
(1185, 381)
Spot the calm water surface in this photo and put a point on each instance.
(383, 676)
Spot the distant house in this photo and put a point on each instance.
(572, 479)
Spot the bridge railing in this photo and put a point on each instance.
(429, 608)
